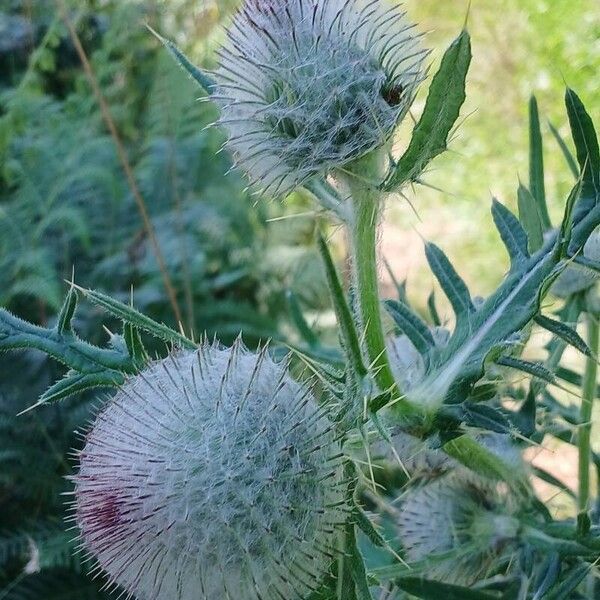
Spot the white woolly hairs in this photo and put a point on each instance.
(211, 475)
(306, 86)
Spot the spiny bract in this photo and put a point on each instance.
(211, 475)
(306, 86)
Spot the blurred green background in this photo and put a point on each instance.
(66, 205)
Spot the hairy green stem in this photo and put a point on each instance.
(367, 203)
(585, 415)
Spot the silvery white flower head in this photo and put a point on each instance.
(306, 86)
(211, 475)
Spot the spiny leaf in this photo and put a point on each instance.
(76, 383)
(586, 144)
(129, 315)
(473, 455)
(536, 164)
(567, 586)
(435, 590)
(565, 150)
(548, 576)
(564, 332)
(454, 287)
(399, 285)
(530, 218)
(207, 83)
(512, 233)
(433, 312)
(342, 310)
(485, 417)
(357, 568)
(67, 348)
(535, 369)
(65, 316)
(444, 101)
(302, 326)
(411, 325)
(552, 480)
(134, 344)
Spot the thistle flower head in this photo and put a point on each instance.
(211, 475)
(461, 529)
(306, 86)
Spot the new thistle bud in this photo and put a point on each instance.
(459, 528)
(209, 475)
(306, 86)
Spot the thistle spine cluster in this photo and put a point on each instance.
(211, 474)
(306, 86)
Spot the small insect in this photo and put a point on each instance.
(392, 94)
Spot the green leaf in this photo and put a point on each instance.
(565, 150)
(586, 144)
(569, 584)
(365, 525)
(134, 344)
(400, 286)
(129, 315)
(433, 312)
(411, 325)
(65, 316)
(437, 590)
(530, 218)
(564, 332)
(342, 311)
(357, 568)
(512, 233)
(207, 83)
(300, 322)
(454, 287)
(485, 417)
(444, 101)
(65, 347)
(76, 383)
(552, 480)
(536, 164)
(548, 576)
(536, 369)
(473, 455)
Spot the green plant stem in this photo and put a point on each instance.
(367, 213)
(585, 415)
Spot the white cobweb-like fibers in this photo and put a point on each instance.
(211, 475)
(305, 86)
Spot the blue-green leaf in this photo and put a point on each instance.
(65, 316)
(444, 101)
(129, 315)
(536, 164)
(512, 233)
(564, 332)
(205, 81)
(411, 325)
(437, 590)
(454, 287)
(342, 311)
(530, 218)
(569, 158)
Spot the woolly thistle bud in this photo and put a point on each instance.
(306, 86)
(459, 528)
(211, 475)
